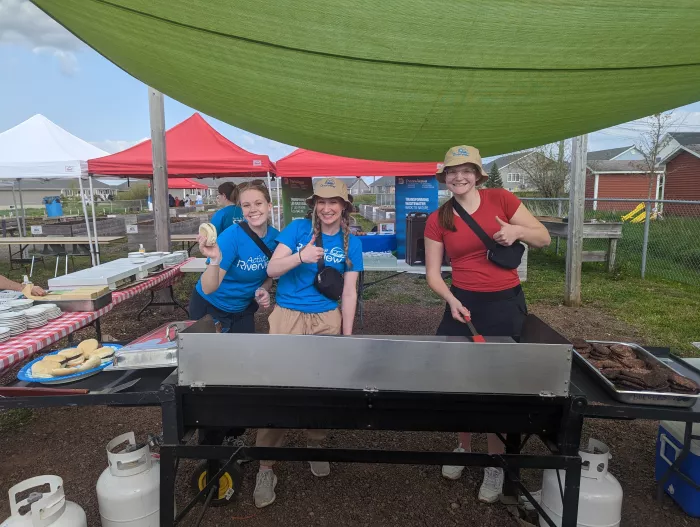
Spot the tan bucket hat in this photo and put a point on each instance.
(459, 155)
(329, 187)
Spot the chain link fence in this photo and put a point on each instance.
(660, 238)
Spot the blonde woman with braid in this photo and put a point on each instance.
(301, 309)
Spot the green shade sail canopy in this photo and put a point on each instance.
(403, 80)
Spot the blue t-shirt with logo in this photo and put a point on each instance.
(246, 269)
(222, 219)
(295, 289)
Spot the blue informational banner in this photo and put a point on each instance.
(413, 194)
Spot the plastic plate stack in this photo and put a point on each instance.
(36, 317)
(52, 310)
(137, 258)
(15, 320)
(5, 333)
(20, 304)
(175, 258)
(7, 295)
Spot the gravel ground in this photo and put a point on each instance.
(70, 442)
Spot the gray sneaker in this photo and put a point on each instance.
(320, 469)
(264, 493)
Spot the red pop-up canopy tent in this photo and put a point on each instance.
(193, 147)
(305, 163)
(184, 183)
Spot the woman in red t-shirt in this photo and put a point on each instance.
(489, 294)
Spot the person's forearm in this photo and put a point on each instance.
(267, 284)
(211, 279)
(438, 285)
(279, 266)
(347, 309)
(536, 237)
(6, 283)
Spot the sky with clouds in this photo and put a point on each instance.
(47, 70)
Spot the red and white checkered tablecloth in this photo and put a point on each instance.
(30, 342)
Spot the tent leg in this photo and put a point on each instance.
(269, 187)
(14, 200)
(23, 229)
(94, 222)
(279, 206)
(87, 222)
(21, 204)
(58, 260)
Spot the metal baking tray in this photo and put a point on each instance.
(79, 305)
(637, 397)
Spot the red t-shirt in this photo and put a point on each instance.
(471, 270)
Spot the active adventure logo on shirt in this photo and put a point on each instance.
(256, 263)
(333, 255)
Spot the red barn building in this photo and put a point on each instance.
(683, 179)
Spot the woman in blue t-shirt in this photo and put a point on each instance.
(230, 212)
(301, 309)
(235, 282)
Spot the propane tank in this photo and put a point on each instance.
(600, 497)
(128, 490)
(49, 509)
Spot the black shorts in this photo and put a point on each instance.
(241, 322)
(494, 314)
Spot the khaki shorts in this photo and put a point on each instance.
(285, 321)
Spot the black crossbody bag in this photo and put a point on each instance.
(328, 280)
(508, 257)
(264, 248)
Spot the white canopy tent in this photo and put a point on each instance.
(40, 149)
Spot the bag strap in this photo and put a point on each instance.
(321, 261)
(264, 248)
(473, 225)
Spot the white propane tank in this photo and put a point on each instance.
(49, 509)
(600, 497)
(128, 490)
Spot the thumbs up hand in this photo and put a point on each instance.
(507, 235)
(310, 253)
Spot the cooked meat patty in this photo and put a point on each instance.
(623, 351)
(580, 344)
(632, 363)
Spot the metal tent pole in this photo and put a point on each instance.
(87, 222)
(269, 187)
(21, 204)
(14, 200)
(94, 222)
(279, 206)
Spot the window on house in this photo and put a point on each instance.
(514, 177)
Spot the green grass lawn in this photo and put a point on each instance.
(366, 224)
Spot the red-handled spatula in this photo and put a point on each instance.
(475, 334)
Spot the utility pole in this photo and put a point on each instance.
(574, 246)
(161, 211)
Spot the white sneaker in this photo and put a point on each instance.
(492, 486)
(525, 503)
(453, 472)
(264, 493)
